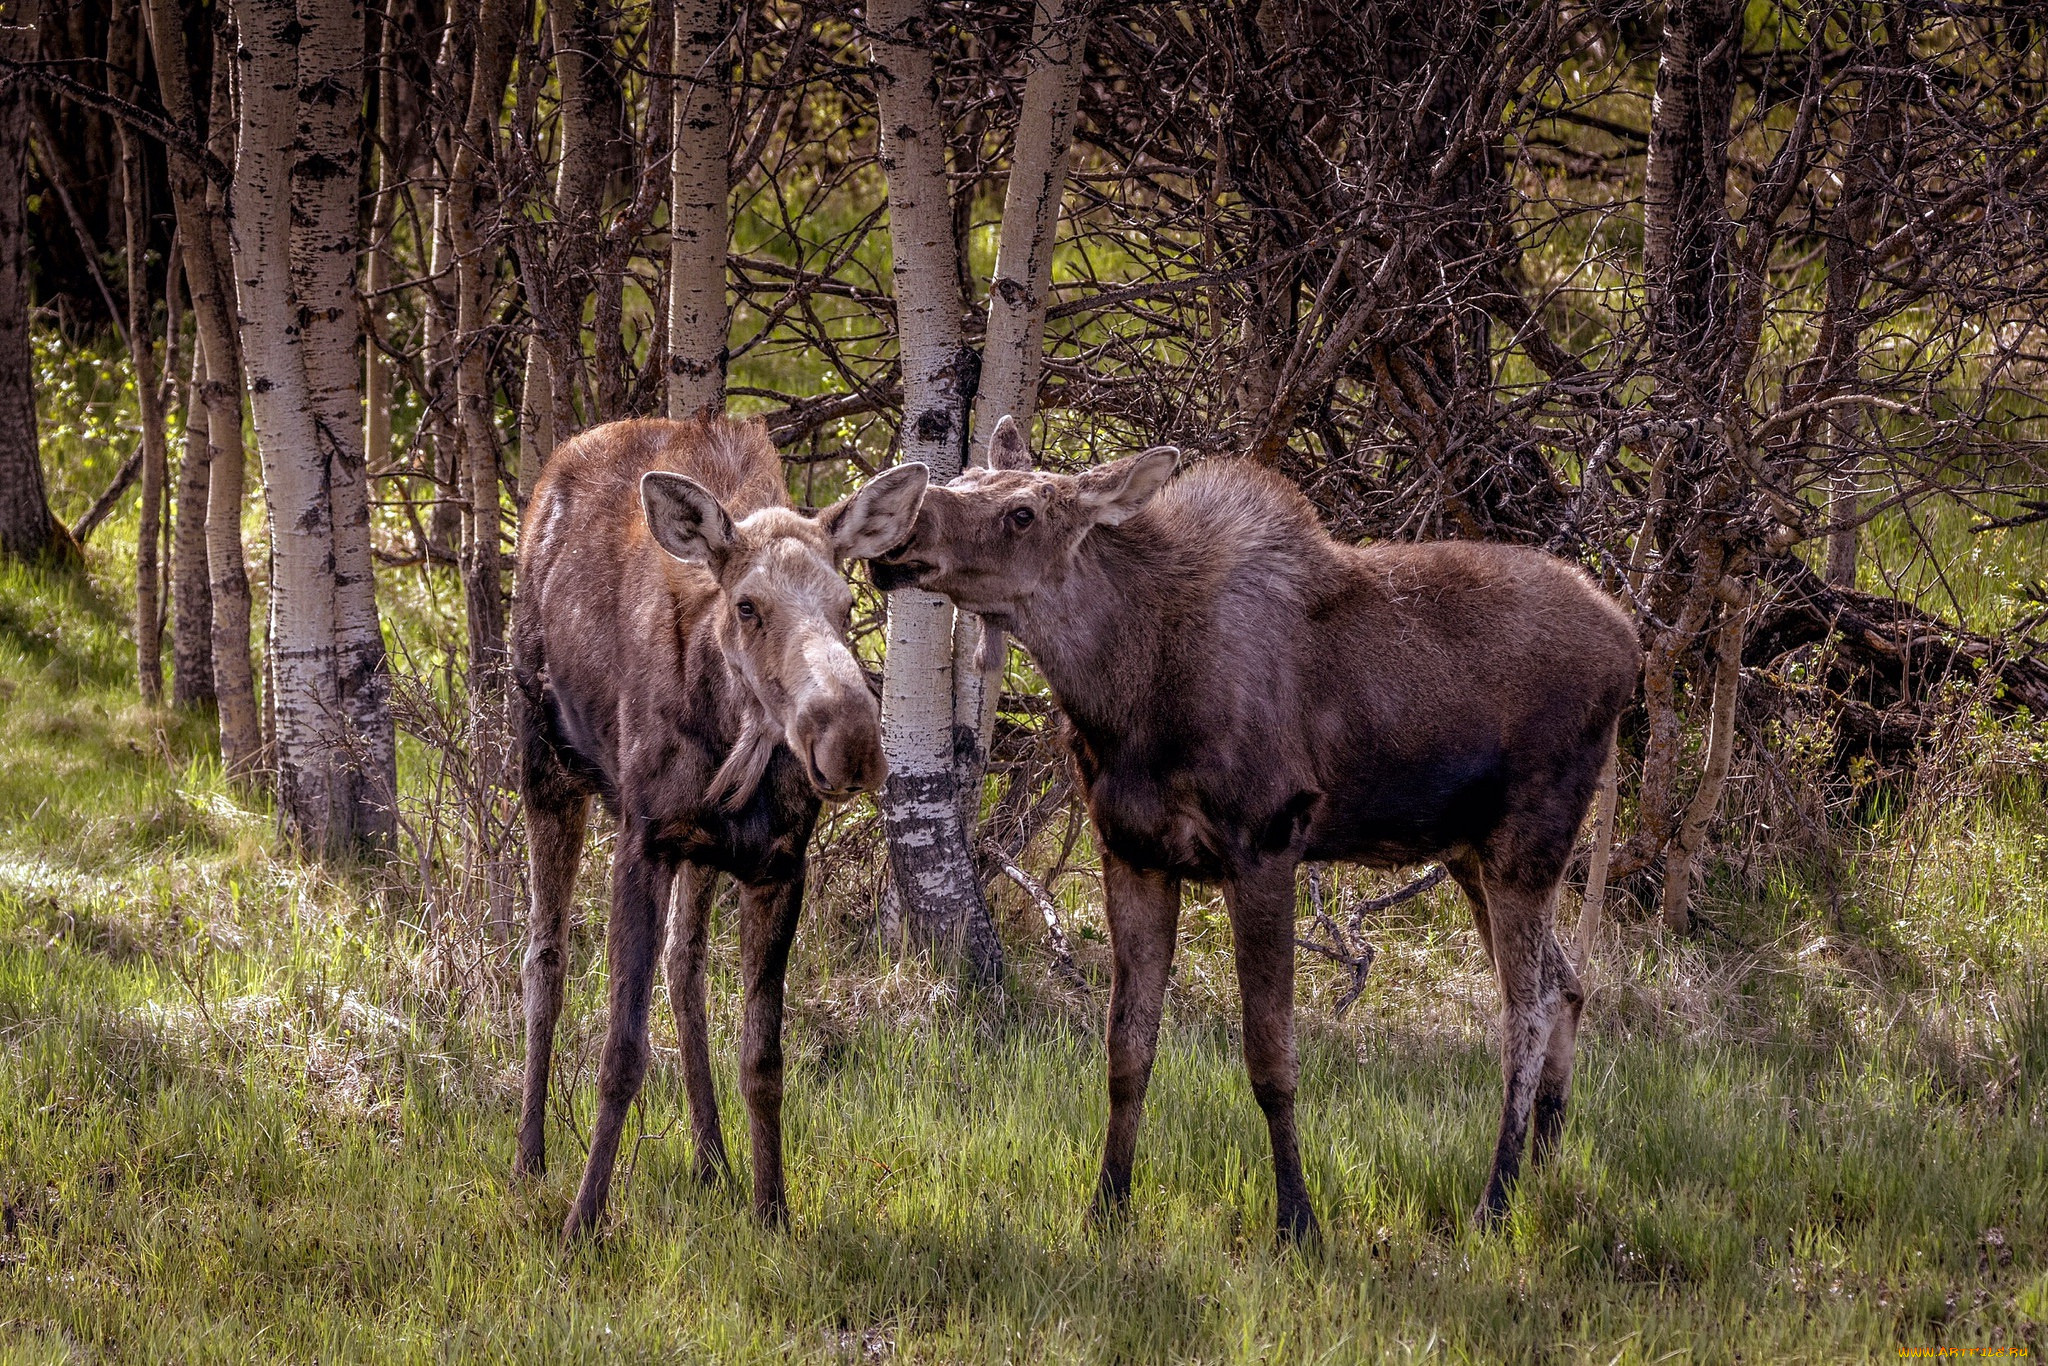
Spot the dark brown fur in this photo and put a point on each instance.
(1245, 694)
(637, 674)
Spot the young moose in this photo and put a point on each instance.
(1244, 693)
(679, 652)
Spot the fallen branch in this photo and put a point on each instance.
(104, 504)
(1062, 952)
(1350, 949)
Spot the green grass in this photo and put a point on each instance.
(251, 1112)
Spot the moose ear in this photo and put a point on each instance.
(1114, 493)
(1006, 448)
(878, 518)
(686, 520)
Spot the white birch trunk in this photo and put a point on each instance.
(699, 183)
(1013, 357)
(930, 863)
(304, 700)
(324, 247)
(202, 239)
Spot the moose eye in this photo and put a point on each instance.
(746, 610)
(1019, 518)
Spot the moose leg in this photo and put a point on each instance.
(1466, 870)
(1554, 1082)
(768, 916)
(1262, 925)
(554, 839)
(688, 928)
(640, 883)
(1143, 909)
(1526, 962)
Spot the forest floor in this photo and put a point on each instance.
(250, 1112)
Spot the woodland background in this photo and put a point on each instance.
(1739, 305)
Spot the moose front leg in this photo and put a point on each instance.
(1262, 924)
(1143, 909)
(688, 930)
(640, 885)
(768, 916)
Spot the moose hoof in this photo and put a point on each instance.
(1298, 1228)
(579, 1226)
(1109, 1212)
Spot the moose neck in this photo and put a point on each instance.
(1095, 633)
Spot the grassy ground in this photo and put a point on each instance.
(251, 1113)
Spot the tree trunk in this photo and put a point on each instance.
(27, 529)
(1013, 357)
(141, 358)
(309, 737)
(325, 244)
(1685, 215)
(191, 596)
(483, 588)
(377, 260)
(698, 188)
(202, 236)
(1699, 812)
(929, 860)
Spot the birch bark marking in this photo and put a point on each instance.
(324, 247)
(699, 184)
(930, 863)
(200, 208)
(296, 483)
(1013, 357)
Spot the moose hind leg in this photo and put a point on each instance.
(554, 838)
(1143, 909)
(1532, 1001)
(1554, 1082)
(688, 931)
(633, 942)
(1262, 925)
(768, 916)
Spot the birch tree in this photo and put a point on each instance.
(303, 700)
(325, 249)
(483, 588)
(294, 244)
(200, 205)
(699, 185)
(930, 866)
(191, 596)
(123, 60)
(1013, 356)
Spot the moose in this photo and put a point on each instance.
(679, 653)
(1243, 693)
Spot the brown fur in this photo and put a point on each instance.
(639, 677)
(1245, 693)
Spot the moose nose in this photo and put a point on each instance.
(840, 742)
